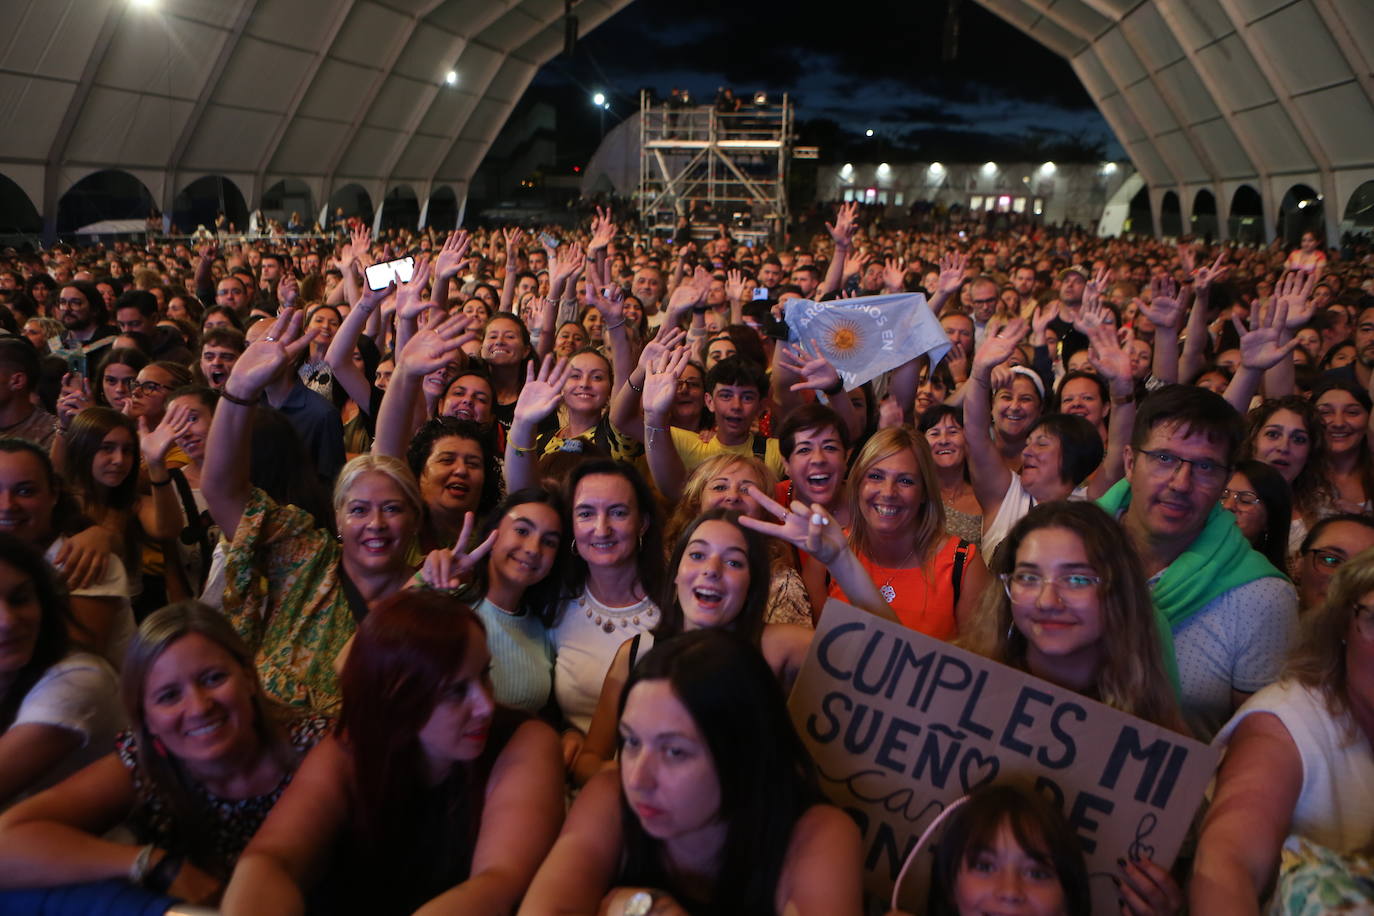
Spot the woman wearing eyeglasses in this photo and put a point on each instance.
(1260, 499)
(1299, 770)
(1074, 609)
(1327, 547)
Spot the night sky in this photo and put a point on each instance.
(869, 66)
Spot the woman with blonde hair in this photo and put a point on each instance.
(931, 580)
(723, 481)
(206, 758)
(1299, 762)
(317, 586)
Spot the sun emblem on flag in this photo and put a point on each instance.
(846, 339)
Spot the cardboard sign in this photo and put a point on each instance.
(901, 725)
(867, 336)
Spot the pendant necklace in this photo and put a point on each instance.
(888, 592)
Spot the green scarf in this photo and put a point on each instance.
(1218, 560)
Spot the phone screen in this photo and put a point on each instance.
(761, 292)
(379, 276)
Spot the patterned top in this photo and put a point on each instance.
(233, 821)
(280, 561)
(966, 525)
(788, 601)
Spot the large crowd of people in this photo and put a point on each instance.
(469, 572)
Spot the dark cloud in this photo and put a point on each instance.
(922, 114)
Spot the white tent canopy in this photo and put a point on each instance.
(327, 92)
(1215, 95)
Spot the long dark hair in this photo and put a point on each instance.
(422, 445)
(53, 621)
(748, 623)
(1311, 488)
(119, 356)
(541, 598)
(767, 779)
(88, 430)
(1277, 499)
(1039, 829)
(67, 518)
(406, 654)
(650, 556)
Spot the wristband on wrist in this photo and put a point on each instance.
(523, 450)
(612, 327)
(835, 389)
(235, 399)
(160, 483)
(637, 389)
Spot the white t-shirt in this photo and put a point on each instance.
(1238, 641)
(81, 694)
(115, 585)
(1336, 803)
(585, 640)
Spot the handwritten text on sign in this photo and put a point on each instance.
(901, 725)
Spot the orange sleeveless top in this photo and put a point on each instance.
(923, 603)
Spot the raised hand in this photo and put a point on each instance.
(845, 225)
(660, 384)
(894, 275)
(344, 260)
(156, 443)
(449, 261)
(567, 264)
(542, 392)
(957, 361)
(1091, 315)
(362, 245)
(1206, 276)
(734, 285)
(1262, 347)
(1110, 360)
(816, 372)
(603, 230)
(1162, 286)
(609, 301)
(691, 292)
(1163, 312)
(267, 355)
(371, 298)
(668, 338)
(288, 291)
(432, 349)
(1295, 291)
(952, 267)
(812, 529)
(998, 348)
(410, 300)
(514, 235)
(1042, 316)
(445, 568)
(75, 397)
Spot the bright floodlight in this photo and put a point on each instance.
(884, 168)
(869, 132)
(1047, 168)
(989, 168)
(1109, 168)
(936, 168)
(143, 4)
(451, 77)
(847, 170)
(599, 99)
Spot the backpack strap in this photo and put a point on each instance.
(960, 559)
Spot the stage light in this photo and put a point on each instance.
(599, 100)
(451, 77)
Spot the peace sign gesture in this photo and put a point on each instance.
(445, 568)
(813, 529)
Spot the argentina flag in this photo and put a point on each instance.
(863, 338)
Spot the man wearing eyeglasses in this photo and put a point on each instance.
(1232, 614)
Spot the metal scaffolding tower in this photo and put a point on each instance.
(715, 167)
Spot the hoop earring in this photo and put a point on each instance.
(574, 548)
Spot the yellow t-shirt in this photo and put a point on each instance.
(693, 451)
